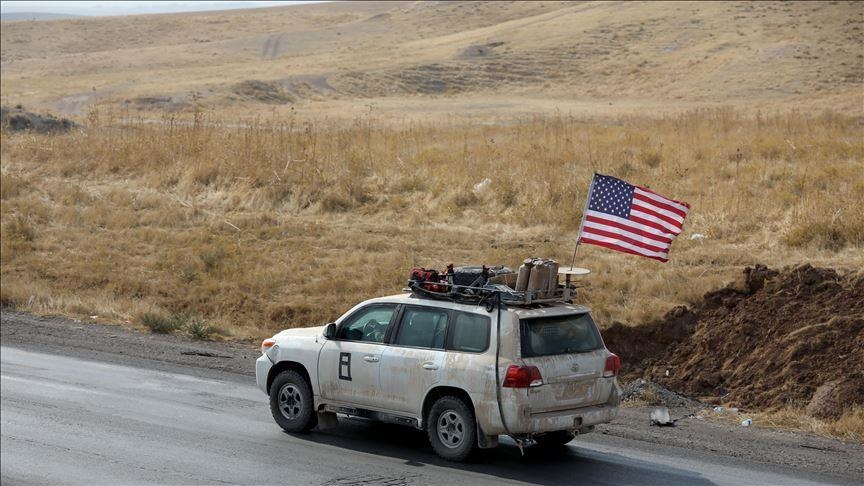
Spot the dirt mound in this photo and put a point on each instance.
(638, 346)
(773, 339)
(18, 120)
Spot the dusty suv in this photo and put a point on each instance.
(463, 373)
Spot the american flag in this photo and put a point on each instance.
(632, 219)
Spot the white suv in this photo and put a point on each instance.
(464, 373)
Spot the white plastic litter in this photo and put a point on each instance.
(697, 236)
(725, 410)
(660, 416)
(482, 185)
(747, 422)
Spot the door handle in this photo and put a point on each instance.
(369, 358)
(430, 366)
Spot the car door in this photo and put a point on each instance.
(348, 365)
(412, 362)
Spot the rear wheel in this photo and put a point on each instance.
(555, 439)
(451, 428)
(291, 402)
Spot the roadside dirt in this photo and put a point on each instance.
(776, 338)
(225, 360)
(235, 362)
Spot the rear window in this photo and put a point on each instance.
(470, 333)
(546, 336)
(422, 328)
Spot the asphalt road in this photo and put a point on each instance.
(73, 421)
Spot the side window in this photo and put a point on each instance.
(422, 328)
(470, 332)
(368, 324)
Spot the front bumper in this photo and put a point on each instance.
(262, 371)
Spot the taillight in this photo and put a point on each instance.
(613, 366)
(267, 344)
(522, 377)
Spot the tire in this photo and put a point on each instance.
(555, 439)
(452, 429)
(291, 402)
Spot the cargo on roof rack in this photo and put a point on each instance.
(535, 283)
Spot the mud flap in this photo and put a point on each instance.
(327, 420)
(486, 441)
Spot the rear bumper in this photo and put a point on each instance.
(521, 419)
(579, 419)
(262, 371)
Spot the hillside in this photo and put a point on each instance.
(415, 58)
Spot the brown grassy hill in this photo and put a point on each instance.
(471, 57)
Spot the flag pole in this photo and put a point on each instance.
(582, 224)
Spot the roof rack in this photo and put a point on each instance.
(493, 294)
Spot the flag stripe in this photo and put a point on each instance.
(624, 244)
(659, 229)
(623, 236)
(652, 200)
(664, 209)
(613, 246)
(632, 224)
(681, 205)
(651, 210)
(633, 228)
(666, 225)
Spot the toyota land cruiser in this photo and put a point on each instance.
(465, 373)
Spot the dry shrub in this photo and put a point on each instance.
(830, 224)
(827, 235)
(158, 323)
(20, 227)
(850, 425)
(653, 158)
(196, 326)
(11, 185)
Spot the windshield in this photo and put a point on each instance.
(545, 336)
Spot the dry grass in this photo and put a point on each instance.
(849, 427)
(280, 223)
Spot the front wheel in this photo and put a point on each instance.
(452, 429)
(291, 402)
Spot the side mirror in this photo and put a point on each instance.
(330, 330)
